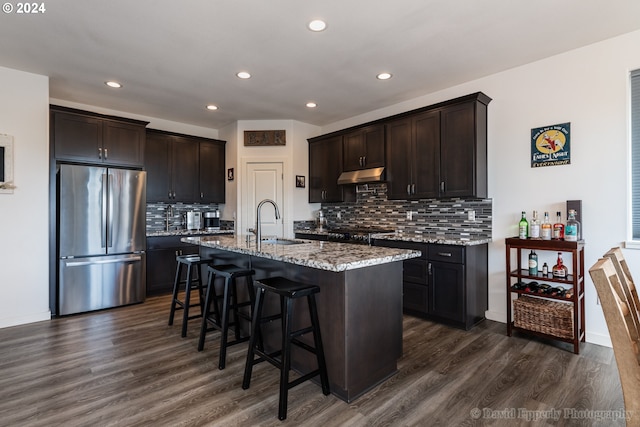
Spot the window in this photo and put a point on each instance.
(635, 153)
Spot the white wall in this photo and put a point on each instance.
(587, 87)
(294, 155)
(24, 251)
(229, 210)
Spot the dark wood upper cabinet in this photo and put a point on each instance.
(76, 137)
(80, 136)
(413, 155)
(182, 168)
(364, 148)
(435, 151)
(157, 163)
(212, 173)
(463, 150)
(123, 143)
(439, 151)
(325, 166)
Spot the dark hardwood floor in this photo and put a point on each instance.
(126, 367)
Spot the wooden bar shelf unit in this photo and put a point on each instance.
(574, 282)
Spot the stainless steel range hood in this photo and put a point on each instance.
(361, 176)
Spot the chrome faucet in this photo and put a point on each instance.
(258, 229)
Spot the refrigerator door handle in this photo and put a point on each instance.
(103, 212)
(108, 261)
(110, 211)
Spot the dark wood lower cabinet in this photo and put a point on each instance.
(447, 291)
(161, 262)
(415, 297)
(448, 283)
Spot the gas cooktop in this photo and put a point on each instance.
(354, 235)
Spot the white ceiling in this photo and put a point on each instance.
(175, 57)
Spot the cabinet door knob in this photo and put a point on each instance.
(100, 153)
(447, 254)
(364, 160)
(442, 186)
(429, 269)
(106, 153)
(408, 188)
(202, 195)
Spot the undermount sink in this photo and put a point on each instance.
(276, 241)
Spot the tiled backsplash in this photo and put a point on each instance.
(447, 217)
(157, 215)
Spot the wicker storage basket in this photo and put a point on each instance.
(543, 315)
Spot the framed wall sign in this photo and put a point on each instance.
(300, 181)
(261, 138)
(6, 164)
(551, 145)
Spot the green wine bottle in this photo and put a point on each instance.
(523, 227)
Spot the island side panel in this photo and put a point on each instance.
(373, 325)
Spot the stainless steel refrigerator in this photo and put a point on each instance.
(101, 233)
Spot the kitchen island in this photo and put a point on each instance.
(359, 304)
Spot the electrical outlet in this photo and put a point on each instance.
(471, 215)
(339, 215)
(410, 216)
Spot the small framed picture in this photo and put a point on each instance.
(300, 181)
(230, 174)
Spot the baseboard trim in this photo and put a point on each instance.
(24, 319)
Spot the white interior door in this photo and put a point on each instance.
(264, 181)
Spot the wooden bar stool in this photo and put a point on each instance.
(288, 291)
(192, 282)
(216, 318)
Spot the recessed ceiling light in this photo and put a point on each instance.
(312, 104)
(243, 75)
(317, 25)
(113, 84)
(212, 107)
(384, 76)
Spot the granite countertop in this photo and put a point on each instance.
(310, 253)
(460, 240)
(183, 232)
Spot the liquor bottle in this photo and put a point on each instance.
(545, 269)
(558, 227)
(523, 227)
(572, 230)
(533, 263)
(534, 226)
(560, 270)
(546, 227)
